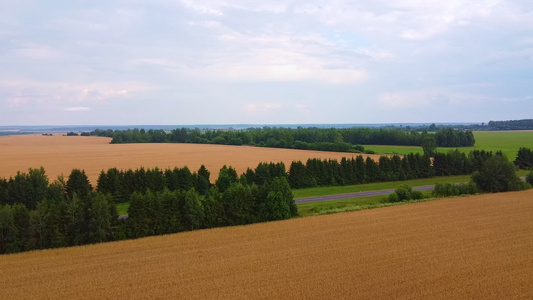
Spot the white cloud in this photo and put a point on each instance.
(261, 107)
(77, 108)
(392, 54)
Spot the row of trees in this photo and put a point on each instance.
(168, 211)
(450, 137)
(325, 139)
(122, 184)
(72, 213)
(525, 124)
(316, 172)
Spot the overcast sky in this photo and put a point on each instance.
(264, 62)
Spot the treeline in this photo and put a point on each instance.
(525, 124)
(316, 172)
(324, 139)
(450, 137)
(60, 214)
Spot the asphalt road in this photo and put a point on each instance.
(357, 194)
(350, 195)
(363, 194)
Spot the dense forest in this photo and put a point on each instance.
(36, 214)
(323, 139)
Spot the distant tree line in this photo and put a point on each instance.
(526, 124)
(36, 214)
(323, 139)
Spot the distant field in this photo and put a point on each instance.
(475, 247)
(60, 154)
(507, 141)
(393, 149)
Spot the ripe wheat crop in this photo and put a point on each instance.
(476, 247)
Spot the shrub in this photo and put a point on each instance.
(529, 177)
(469, 188)
(497, 174)
(393, 198)
(444, 189)
(404, 192)
(417, 195)
(449, 189)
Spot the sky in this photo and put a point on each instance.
(264, 62)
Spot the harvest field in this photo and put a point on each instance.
(476, 247)
(507, 141)
(60, 154)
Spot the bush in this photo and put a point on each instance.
(497, 174)
(468, 188)
(444, 190)
(529, 177)
(404, 192)
(450, 189)
(393, 198)
(417, 195)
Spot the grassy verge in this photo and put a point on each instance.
(341, 205)
(332, 190)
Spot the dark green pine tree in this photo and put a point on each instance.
(78, 183)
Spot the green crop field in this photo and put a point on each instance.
(400, 150)
(507, 141)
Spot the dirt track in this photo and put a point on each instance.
(477, 247)
(60, 154)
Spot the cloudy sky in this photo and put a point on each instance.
(264, 62)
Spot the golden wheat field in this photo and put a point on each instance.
(60, 154)
(477, 247)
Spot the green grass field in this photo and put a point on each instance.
(507, 141)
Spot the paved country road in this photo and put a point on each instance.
(357, 194)
(362, 194)
(351, 195)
